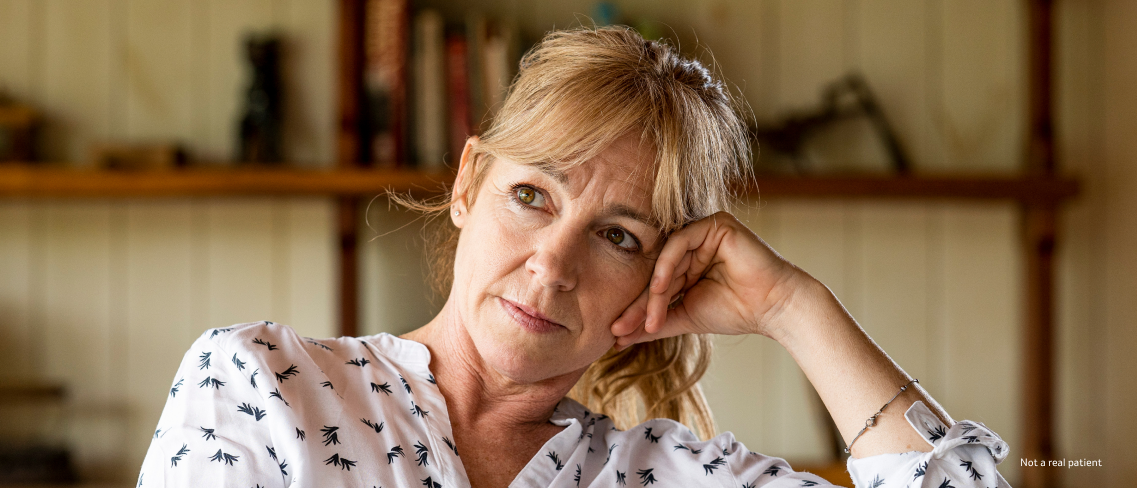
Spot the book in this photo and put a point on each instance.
(499, 65)
(458, 91)
(386, 35)
(429, 91)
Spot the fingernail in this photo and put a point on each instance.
(654, 281)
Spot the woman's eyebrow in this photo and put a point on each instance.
(621, 210)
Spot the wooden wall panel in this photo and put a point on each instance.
(241, 244)
(16, 335)
(77, 87)
(978, 121)
(16, 39)
(158, 70)
(77, 332)
(982, 312)
(1120, 173)
(892, 277)
(395, 293)
(310, 295)
(159, 303)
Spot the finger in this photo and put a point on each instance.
(657, 304)
(678, 244)
(632, 317)
(678, 322)
(660, 300)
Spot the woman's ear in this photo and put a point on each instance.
(458, 207)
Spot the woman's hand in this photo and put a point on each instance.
(731, 282)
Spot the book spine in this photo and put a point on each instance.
(458, 89)
(429, 90)
(386, 36)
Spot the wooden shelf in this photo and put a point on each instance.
(54, 182)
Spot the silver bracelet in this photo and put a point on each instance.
(872, 420)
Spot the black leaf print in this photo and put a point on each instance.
(610, 449)
(620, 478)
(218, 331)
(450, 445)
(330, 435)
(713, 465)
(156, 432)
(251, 410)
(749, 485)
(430, 378)
(272, 453)
(327, 384)
(237, 362)
(283, 465)
(174, 389)
(946, 483)
(253, 378)
(967, 427)
(920, 470)
(936, 434)
(724, 453)
(773, 470)
(808, 483)
(343, 463)
(209, 381)
(267, 344)
(203, 360)
(418, 411)
(385, 388)
(378, 427)
(224, 458)
(207, 433)
(646, 478)
(276, 394)
(876, 482)
(178, 457)
(971, 470)
(320, 344)
(405, 384)
(287, 373)
(556, 460)
(361, 362)
(678, 447)
(576, 477)
(429, 483)
(651, 438)
(421, 451)
(971, 439)
(139, 480)
(394, 453)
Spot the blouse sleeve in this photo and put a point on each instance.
(963, 456)
(211, 431)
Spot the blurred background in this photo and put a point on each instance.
(959, 172)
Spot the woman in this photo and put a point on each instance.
(591, 257)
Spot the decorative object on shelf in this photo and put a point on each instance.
(18, 126)
(137, 157)
(259, 137)
(844, 99)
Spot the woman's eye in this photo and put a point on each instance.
(529, 196)
(620, 238)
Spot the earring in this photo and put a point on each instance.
(456, 212)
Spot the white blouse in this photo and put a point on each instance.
(255, 405)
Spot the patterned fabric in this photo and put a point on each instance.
(255, 405)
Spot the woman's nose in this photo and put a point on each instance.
(556, 261)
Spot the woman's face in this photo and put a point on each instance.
(546, 262)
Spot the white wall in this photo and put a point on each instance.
(106, 295)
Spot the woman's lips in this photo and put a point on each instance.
(528, 318)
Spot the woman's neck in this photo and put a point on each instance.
(477, 396)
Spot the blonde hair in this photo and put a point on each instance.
(577, 92)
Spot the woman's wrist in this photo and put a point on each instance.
(806, 304)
